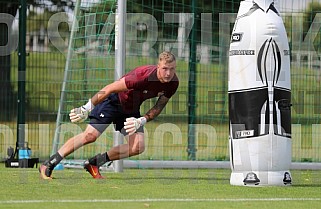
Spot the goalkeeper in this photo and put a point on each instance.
(119, 103)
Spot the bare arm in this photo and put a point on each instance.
(157, 109)
(117, 86)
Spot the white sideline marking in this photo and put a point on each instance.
(159, 200)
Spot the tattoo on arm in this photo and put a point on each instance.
(157, 109)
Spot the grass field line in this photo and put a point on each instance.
(160, 200)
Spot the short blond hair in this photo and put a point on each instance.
(167, 56)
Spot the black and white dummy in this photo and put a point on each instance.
(259, 89)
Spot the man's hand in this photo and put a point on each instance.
(79, 114)
(132, 124)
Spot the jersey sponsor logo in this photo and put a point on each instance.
(101, 115)
(236, 37)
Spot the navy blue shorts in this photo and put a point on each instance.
(108, 112)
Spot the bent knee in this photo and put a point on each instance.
(138, 148)
(90, 138)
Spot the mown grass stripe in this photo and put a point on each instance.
(160, 200)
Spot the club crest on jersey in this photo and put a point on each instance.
(236, 37)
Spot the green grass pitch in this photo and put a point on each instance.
(151, 188)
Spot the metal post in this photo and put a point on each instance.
(192, 90)
(21, 75)
(120, 55)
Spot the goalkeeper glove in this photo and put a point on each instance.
(132, 124)
(80, 114)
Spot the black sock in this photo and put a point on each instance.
(99, 159)
(53, 161)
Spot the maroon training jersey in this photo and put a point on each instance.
(143, 84)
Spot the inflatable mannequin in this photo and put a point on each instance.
(259, 89)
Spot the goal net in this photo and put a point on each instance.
(193, 128)
(89, 66)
